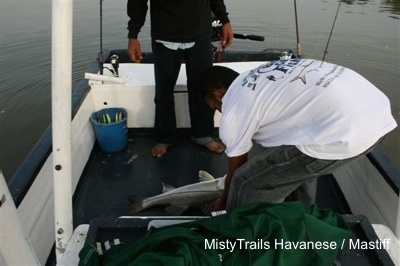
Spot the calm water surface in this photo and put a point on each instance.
(366, 38)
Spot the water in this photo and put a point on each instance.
(366, 38)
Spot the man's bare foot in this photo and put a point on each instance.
(210, 143)
(215, 146)
(159, 150)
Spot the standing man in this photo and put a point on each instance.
(311, 117)
(181, 31)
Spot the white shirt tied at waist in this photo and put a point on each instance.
(176, 45)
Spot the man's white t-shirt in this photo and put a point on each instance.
(325, 110)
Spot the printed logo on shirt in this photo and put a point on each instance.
(277, 70)
(273, 71)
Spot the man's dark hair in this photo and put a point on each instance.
(216, 77)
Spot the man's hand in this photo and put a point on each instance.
(233, 164)
(227, 35)
(134, 50)
(219, 204)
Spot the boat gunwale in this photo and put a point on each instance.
(386, 167)
(26, 173)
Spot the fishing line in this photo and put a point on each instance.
(319, 40)
(330, 34)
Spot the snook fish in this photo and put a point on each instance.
(203, 192)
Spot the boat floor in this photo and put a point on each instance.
(110, 179)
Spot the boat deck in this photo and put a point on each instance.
(109, 179)
(112, 178)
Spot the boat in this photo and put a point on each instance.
(69, 192)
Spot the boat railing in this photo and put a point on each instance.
(15, 248)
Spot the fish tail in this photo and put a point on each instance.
(206, 209)
(137, 204)
(135, 208)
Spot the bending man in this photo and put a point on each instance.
(310, 117)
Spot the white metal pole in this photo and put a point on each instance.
(15, 248)
(61, 80)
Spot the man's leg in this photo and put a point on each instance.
(307, 191)
(274, 173)
(167, 64)
(199, 59)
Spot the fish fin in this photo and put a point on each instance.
(176, 210)
(137, 204)
(221, 183)
(205, 176)
(166, 187)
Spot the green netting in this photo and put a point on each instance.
(287, 233)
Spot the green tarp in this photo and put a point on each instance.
(287, 233)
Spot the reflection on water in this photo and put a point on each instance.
(365, 38)
(387, 6)
(391, 7)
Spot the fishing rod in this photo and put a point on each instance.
(219, 51)
(297, 30)
(216, 27)
(100, 57)
(248, 37)
(330, 34)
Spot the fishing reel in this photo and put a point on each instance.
(114, 60)
(286, 55)
(115, 64)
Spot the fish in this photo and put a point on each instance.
(178, 199)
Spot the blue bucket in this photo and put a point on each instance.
(110, 128)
